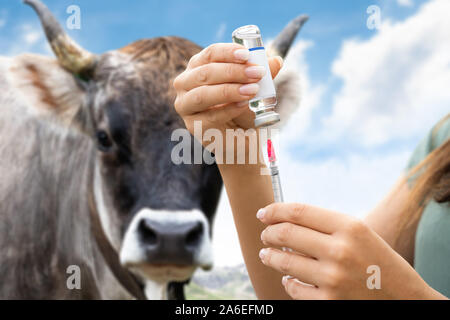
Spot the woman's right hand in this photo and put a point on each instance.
(216, 86)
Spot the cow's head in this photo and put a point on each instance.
(156, 214)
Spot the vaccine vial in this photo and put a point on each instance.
(263, 104)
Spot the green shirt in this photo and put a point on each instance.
(432, 243)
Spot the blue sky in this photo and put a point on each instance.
(108, 25)
(111, 24)
(368, 96)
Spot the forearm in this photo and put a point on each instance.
(386, 220)
(248, 190)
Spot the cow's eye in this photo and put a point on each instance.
(103, 141)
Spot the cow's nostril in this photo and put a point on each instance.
(147, 233)
(194, 235)
(170, 242)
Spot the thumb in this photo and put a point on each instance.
(275, 64)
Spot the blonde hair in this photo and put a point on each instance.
(431, 182)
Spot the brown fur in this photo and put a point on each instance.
(47, 97)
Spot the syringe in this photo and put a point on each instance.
(275, 176)
(274, 173)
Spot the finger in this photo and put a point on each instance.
(305, 215)
(299, 290)
(201, 98)
(275, 65)
(222, 114)
(220, 52)
(298, 238)
(298, 266)
(217, 73)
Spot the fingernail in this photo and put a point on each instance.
(260, 214)
(242, 104)
(242, 54)
(262, 233)
(255, 72)
(284, 280)
(280, 60)
(249, 89)
(262, 253)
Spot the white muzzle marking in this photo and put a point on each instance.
(133, 256)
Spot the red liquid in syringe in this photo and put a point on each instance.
(274, 174)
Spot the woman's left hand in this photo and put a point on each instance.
(335, 256)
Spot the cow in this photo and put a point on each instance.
(87, 185)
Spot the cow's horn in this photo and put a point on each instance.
(70, 55)
(280, 46)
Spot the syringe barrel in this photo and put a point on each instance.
(277, 192)
(276, 184)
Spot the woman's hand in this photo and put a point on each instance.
(217, 85)
(335, 256)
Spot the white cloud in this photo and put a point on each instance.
(220, 32)
(29, 38)
(352, 185)
(226, 246)
(3, 17)
(311, 94)
(395, 85)
(30, 34)
(405, 3)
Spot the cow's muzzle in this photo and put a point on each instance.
(170, 243)
(167, 245)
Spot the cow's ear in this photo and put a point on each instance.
(288, 89)
(46, 89)
(287, 82)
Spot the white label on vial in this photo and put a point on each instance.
(266, 86)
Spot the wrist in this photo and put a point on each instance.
(247, 169)
(420, 290)
(432, 294)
